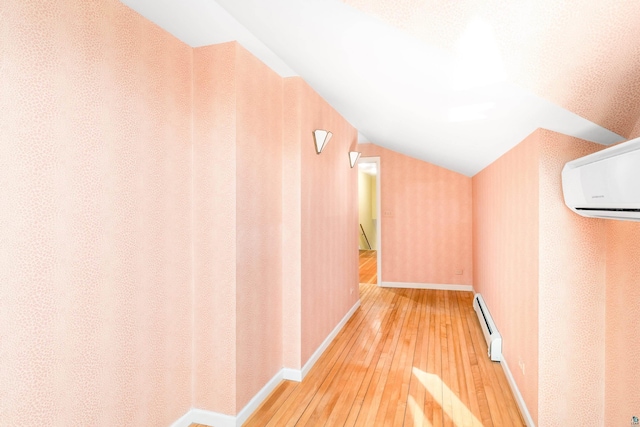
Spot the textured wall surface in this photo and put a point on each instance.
(426, 220)
(635, 133)
(292, 224)
(505, 265)
(571, 297)
(238, 226)
(214, 237)
(259, 225)
(96, 292)
(95, 268)
(328, 235)
(622, 394)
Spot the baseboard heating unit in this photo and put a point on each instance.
(491, 334)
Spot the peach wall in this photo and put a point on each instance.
(571, 297)
(238, 226)
(328, 220)
(635, 132)
(426, 220)
(292, 225)
(505, 265)
(259, 224)
(95, 270)
(564, 271)
(130, 160)
(214, 237)
(622, 395)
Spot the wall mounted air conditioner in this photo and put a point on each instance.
(605, 184)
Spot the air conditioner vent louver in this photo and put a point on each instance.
(608, 209)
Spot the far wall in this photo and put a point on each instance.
(425, 221)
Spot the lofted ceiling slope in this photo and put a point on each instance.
(456, 84)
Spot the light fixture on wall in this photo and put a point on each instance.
(353, 157)
(321, 137)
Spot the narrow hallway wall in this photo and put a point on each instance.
(506, 257)
(238, 226)
(323, 189)
(571, 296)
(95, 223)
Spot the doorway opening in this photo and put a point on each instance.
(369, 230)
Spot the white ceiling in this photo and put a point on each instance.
(455, 108)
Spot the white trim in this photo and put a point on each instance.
(516, 393)
(184, 421)
(210, 418)
(436, 286)
(299, 374)
(253, 404)
(292, 374)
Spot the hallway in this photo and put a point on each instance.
(407, 357)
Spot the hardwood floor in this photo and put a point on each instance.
(368, 266)
(407, 357)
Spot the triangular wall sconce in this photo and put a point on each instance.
(321, 138)
(353, 157)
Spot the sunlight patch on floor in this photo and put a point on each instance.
(418, 416)
(447, 399)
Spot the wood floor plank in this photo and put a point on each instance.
(476, 350)
(274, 401)
(399, 397)
(413, 415)
(331, 391)
(447, 350)
(373, 364)
(406, 357)
(349, 405)
(373, 399)
(433, 402)
(368, 266)
(331, 358)
(485, 372)
(386, 411)
(468, 393)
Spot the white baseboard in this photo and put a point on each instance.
(292, 374)
(210, 418)
(253, 404)
(516, 393)
(216, 419)
(434, 286)
(299, 374)
(184, 421)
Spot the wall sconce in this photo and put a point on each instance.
(353, 157)
(321, 137)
